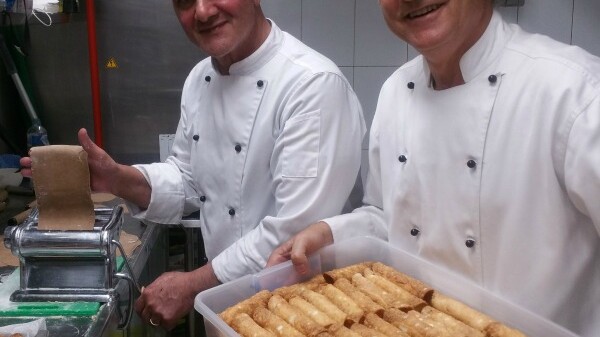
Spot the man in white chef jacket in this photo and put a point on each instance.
(485, 159)
(269, 141)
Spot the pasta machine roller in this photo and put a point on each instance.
(68, 265)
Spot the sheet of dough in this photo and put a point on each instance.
(99, 197)
(129, 242)
(61, 180)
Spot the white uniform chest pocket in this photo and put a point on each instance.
(301, 138)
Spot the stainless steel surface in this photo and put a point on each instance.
(14, 121)
(12, 70)
(74, 265)
(140, 98)
(109, 315)
(114, 315)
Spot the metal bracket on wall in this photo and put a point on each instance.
(165, 142)
(510, 3)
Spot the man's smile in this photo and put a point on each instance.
(423, 11)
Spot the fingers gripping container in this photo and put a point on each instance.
(211, 302)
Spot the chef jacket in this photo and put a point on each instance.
(497, 179)
(262, 152)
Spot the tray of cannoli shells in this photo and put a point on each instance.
(364, 288)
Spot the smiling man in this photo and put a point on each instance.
(484, 159)
(269, 141)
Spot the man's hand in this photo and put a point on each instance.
(171, 296)
(106, 175)
(25, 163)
(103, 169)
(166, 300)
(308, 241)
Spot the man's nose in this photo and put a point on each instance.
(205, 9)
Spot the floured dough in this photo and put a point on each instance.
(6, 256)
(61, 180)
(129, 242)
(103, 197)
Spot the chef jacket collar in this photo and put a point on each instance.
(487, 49)
(260, 57)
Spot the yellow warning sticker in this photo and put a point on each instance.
(111, 63)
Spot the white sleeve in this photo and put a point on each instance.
(368, 220)
(582, 162)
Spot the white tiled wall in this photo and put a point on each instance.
(287, 14)
(549, 17)
(585, 25)
(353, 34)
(334, 40)
(376, 45)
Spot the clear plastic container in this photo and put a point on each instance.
(37, 135)
(7, 5)
(213, 301)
